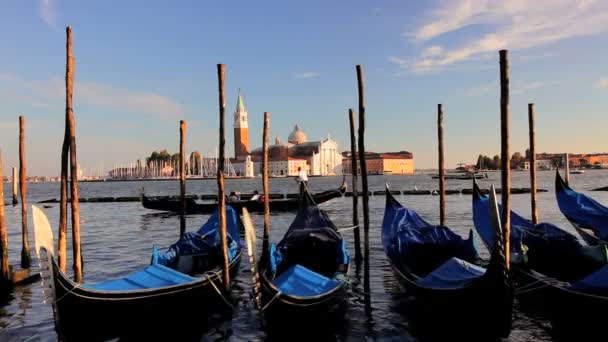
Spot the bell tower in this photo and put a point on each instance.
(241, 130)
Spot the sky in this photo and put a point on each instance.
(141, 66)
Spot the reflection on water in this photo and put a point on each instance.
(117, 238)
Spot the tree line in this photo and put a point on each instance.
(164, 157)
(493, 163)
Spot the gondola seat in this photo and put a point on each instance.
(153, 276)
(300, 281)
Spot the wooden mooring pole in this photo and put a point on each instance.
(73, 166)
(265, 188)
(354, 171)
(534, 196)
(5, 272)
(65, 149)
(505, 153)
(361, 92)
(26, 258)
(567, 168)
(442, 214)
(182, 175)
(221, 76)
(15, 181)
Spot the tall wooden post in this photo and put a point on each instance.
(26, 258)
(5, 274)
(361, 91)
(15, 200)
(505, 153)
(354, 171)
(265, 187)
(221, 75)
(73, 165)
(182, 175)
(442, 215)
(65, 149)
(567, 168)
(532, 164)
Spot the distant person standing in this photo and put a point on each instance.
(302, 177)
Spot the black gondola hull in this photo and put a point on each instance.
(442, 313)
(84, 314)
(287, 204)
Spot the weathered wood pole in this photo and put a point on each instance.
(182, 175)
(442, 215)
(354, 170)
(5, 273)
(265, 187)
(15, 200)
(65, 149)
(533, 199)
(26, 258)
(361, 91)
(567, 168)
(505, 153)
(73, 167)
(221, 76)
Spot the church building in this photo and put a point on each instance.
(317, 158)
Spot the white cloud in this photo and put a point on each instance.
(530, 86)
(602, 82)
(308, 74)
(49, 92)
(47, 12)
(509, 24)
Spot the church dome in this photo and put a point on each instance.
(297, 136)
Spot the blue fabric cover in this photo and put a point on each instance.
(595, 281)
(276, 258)
(584, 212)
(153, 276)
(454, 273)
(402, 228)
(206, 239)
(300, 281)
(523, 231)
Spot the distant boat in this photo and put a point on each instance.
(461, 176)
(576, 172)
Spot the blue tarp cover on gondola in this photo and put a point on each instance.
(403, 228)
(206, 239)
(300, 281)
(153, 276)
(583, 211)
(523, 231)
(454, 273)
(595, 281)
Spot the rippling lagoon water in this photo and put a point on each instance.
(117, 238)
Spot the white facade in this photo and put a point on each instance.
(248, 166)
(240, 114)
(328, 161)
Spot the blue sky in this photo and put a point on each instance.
(141, 66)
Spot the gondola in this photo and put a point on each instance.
(304, 275)
(589, 218)
(170, 296)
(451, 290)
(538, 251)
(283, 204)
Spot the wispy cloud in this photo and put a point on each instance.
(307, 74)
(482, 89)
(602, 82)
(47, 12)
(524, 88)
(50, 92)
(514, 24)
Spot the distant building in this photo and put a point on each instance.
(317, 158)
(241, 130)
(400, 163)
(548, 161)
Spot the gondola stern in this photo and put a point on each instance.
(560, 184)
(44, 243)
